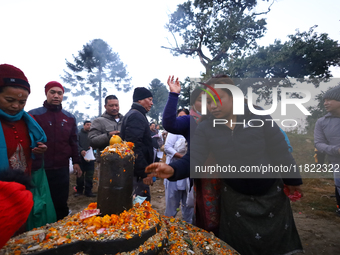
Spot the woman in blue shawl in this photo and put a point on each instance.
(20, 134)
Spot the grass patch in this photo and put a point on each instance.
(318, 188)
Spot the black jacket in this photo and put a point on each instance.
(245, 146)
(154, 139)
(84, 141)
(135, 128)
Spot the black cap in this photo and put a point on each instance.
(140, 93)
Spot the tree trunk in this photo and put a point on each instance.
(208, 71)
(100, 97)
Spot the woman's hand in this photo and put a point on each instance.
(160, 170)
(41, 148)
(174, 86)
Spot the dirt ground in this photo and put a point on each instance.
(320, 234)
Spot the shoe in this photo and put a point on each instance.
(77, 194)
(90, 194)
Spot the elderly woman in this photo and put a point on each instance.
(20, 134)
(20, 138)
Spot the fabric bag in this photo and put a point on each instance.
(43, 211)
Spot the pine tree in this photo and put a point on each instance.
(160, 97)
(95, 69)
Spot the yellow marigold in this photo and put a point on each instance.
(92, 206)
(97, 222)
(130, 144)
(106, 221)
(89, 221)
(114, 219)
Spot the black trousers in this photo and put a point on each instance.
(59, 181)
(141, 189)
(86, 179)
(337, 196)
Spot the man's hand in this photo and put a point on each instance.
(178, 155)
(116, 132)
(77, 170)
(160, 170)
(174, 86)
(292, 189)
(148, 180)
(41, 148)
(83, 153)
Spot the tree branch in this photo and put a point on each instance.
(266, 11)
(188, 52)
(203, 59)
(173, 35)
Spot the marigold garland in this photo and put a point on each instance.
(123, 149)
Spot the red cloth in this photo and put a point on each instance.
(15, 205)
(194, 114)
(15, 133)
(208, 209)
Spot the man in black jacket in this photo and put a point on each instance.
(135, 128)
(155, 138)
(86, 166)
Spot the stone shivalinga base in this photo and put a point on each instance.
(164, 236)
(104, 246)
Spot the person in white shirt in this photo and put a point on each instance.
(177, 192)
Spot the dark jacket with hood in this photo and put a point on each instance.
(135, 128)
(62, 137)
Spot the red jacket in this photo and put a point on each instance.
(15, 206)
(62, 136)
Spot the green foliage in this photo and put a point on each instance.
(223, 35)
(160, 97)
(220, 29)
(307, 56)
(94, 70)
(184, 97)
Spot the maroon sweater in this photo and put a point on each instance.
(62, 136)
